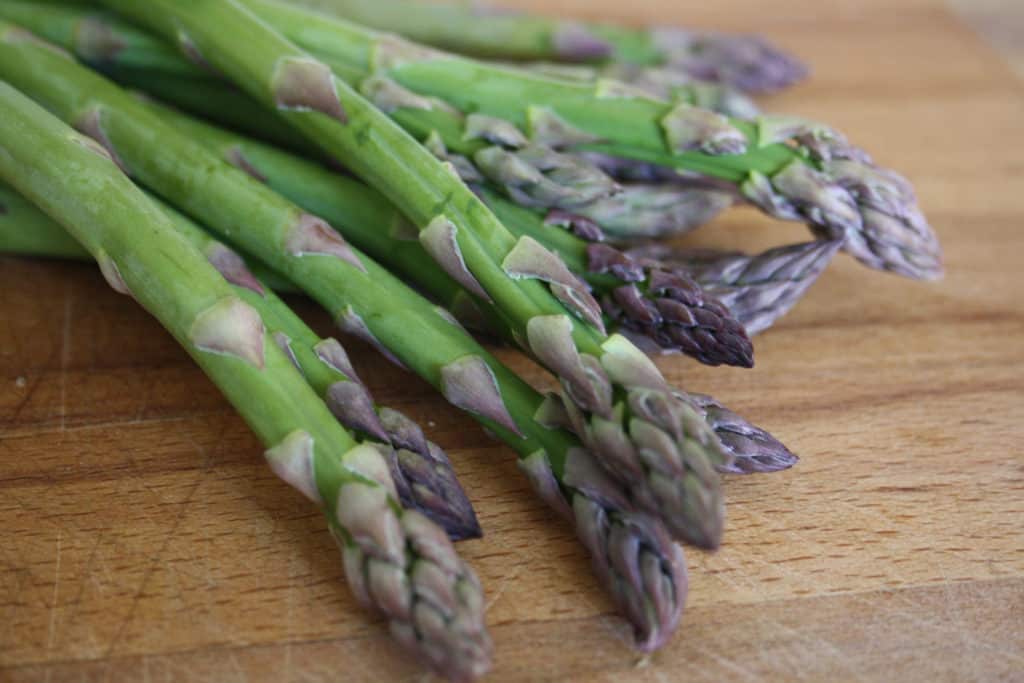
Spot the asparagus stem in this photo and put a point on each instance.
(620, 404)
(605, 519)
(677, 317)
(790, 168)
(746, 62)
(385, 547)
(356, 210)
(368, 301)
(421, 470)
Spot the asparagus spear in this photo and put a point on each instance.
(758, 288)
(631, 552)
(620, 404)
(395, 559)
(356, 209)
(745, 62)
(790, 168)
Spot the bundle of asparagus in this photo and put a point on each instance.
(497, 191)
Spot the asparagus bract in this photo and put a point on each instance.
(745, 62)
(395, 559)
(620, 404)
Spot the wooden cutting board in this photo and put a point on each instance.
(143, 537)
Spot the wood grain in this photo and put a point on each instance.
(144, 538)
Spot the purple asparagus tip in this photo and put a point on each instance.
(425, 480)
(746, 62)
(671, 309)
(576, 43)
(753, 449)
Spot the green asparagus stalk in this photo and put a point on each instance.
(620, 404)
(790, 168)
(631, 552)
(531, 173)
(745, 62)
(26, 231)
(395, 559)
